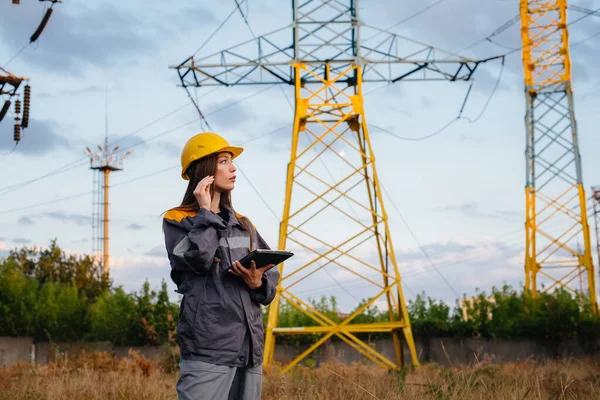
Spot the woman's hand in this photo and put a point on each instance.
(202, 192)
(252, 276)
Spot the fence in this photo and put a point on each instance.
(444, 351)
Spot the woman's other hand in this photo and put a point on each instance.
(252, 276)
(202, 192)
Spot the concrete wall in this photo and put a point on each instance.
(15, 349)
(444, 351)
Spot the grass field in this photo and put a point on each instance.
(101, 376)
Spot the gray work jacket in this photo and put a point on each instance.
(220, 319)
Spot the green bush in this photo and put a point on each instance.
(51, 296)
(18, 301)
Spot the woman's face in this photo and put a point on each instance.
(225, 176)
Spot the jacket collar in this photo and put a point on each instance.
(232, 218)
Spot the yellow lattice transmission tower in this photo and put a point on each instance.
(558, 249)
(333, 208)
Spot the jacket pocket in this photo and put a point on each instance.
(206, 319)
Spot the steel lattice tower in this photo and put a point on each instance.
(327, 63)
(556, 215)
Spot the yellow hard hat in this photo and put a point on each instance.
(202, 145)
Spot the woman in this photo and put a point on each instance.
(220, 325)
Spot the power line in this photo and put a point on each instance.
(181, 107)
(81, 161)
(122, 183)
(468, 256)
(584, 10)
(594, 12)
(586, 39)
(194, 120)
(10, 152)
(195, 103)
(496, 32)
(64, 168)
(249, 181)
(459, 117)
(15, 56)
(417, 241)
(245, 17)
(145, 176)
(416, 14)
(218, 28)
(46, 202)
(516, 19)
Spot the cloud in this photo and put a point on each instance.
(25, 221)
(434, 250)
(20, 241)
(135, 227)
(234, 116)
(182, 16)
(89, 89)
(157, 251)
(169, 149)
(78, 219)
(131, 272)
(40, 138)
(473, 210)
(100, 34)
(465, 265)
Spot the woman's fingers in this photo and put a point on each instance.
(204, 183)
(202, 191)
(266, 267)
(238, 269)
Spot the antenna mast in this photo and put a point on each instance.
(105, 162)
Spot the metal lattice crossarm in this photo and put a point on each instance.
(9, 83)
(334, 39)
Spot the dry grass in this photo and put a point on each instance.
(102, 376)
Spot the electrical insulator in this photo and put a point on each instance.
(18, 107)
(16, 2)
(42, 25)
(17, 131)
(26, 101)
(4, 109)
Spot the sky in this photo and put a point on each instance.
(458, 195)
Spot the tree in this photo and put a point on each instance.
(54, 265)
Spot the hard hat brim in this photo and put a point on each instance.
(235, 152)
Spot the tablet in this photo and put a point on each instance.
(265, 257)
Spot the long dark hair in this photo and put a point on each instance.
(198, 170)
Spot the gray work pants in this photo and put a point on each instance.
(199, 380)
